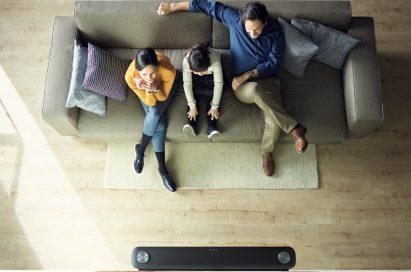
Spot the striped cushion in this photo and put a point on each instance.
(298, 51)
(105, 74)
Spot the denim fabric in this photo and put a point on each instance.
(155, 122)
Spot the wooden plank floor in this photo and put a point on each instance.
(54, 213)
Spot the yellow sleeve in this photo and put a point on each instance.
(168, 75)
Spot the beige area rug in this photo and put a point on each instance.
(212, 166)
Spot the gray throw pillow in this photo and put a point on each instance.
(334, 45)
(105, 74)
(79, 97)
(298, 50)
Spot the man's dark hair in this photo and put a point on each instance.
(254, 11)
(198, 58)
(144, 57)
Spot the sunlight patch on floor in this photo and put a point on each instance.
(34, 168)
(9, 151)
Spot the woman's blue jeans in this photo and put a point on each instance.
(155, 122)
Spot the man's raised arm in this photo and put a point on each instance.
(221, 12)
(166, 8)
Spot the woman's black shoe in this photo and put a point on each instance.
(169, 183)
(139, 161)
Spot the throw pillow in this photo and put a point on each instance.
(105, 74)
(298, 50)
(77, 96)
(334, 45)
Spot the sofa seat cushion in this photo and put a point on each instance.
(316, 100)
(122, 121)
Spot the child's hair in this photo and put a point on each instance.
(144, 57)
(198, 58)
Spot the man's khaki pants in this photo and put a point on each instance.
(266, 94)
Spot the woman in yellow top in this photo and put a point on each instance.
(153, 78)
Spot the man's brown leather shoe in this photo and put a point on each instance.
(300, 141)
(268, 164)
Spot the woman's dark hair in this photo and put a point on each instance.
(198, 58)
(144, 57)
(254, 11)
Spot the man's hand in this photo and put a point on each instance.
(237, 81)
(215, 114)
(165, 8)
(192, 113)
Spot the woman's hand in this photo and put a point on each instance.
(139, 81)
(215, 114)
(144, 85)
(192, 113)
(165, 8)
(150, 87)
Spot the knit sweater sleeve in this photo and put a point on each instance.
(217, 70)
(167, 80)
(188, 83)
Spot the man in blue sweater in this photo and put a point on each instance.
(256, 45)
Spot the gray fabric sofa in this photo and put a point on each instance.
(333, 104)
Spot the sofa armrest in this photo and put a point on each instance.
(362, 90)
(57, 85)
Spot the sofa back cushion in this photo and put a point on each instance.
(135, 24)
(335, 14)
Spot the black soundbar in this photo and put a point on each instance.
(213, 258)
